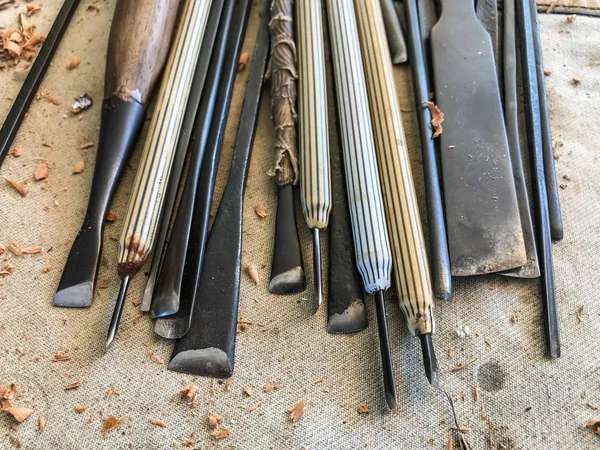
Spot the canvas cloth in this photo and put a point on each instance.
(525, 400)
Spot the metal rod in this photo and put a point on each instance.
(317, 269)
(117, 312)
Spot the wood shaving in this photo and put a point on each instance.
(260, 211)
(19, 414)
(17, 151)
(15, 249)
(450, 352)
(571, 18)
(79, 409)
(60, 356)
(547, 72)
(229, 384)
(253, 407)
(437, 117)
(362, 408)
(580, 314)
(325, 389)
(476, 394)
(86, 145)
(79, 167)
(243, 62)
(82, 102)
(18, 186)
(461, 428)
(50, 99)
(296, 411)
(20, 351)
(271, 386)
(41, 172)
(32, 9)
(488, 341)
(220, 434)
(576, 81)
(5, 3)
(213, 421)
(188, 442)
(41, 423)
(8, 393)
(450, 444)
(463, 366)
(74, 63)
(555, 147)
(32, 250)
(514, 318)
(158, 423)
(111, 216)
(189, 391)
(320, 380)
(110, 423)
(72, 386)
(248, 391)
(252, 271)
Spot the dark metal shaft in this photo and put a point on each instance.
(118, 311)
(429, 359)
(386, 355)
(317, 269)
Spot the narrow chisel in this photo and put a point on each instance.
(137, 50)
(409, 257)
(371, 242)
(487, 12)
(139, 229)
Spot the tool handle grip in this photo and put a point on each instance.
(157, 157)
(315, 183)
(409, 256)
(137, 47)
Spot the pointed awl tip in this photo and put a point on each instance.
(118, 311)
(429, 359)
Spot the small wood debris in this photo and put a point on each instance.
(320, 380)
(248, 391)
(50, 99)
(158, 423)
(136, 302)
(253, 407)
(188, 442)
(243, 326)
(476, 394)
(20, 351)
(514, 318)
(437, 117)
(252, 271)
(593, 423)
(547, 72)
(6, 3)
(19, 414)
(260, 211)
(79, 409)
(72, 386)
(450, 352)
(325, 389)
(73, 63)
(79, 167)
(580, 314)
(576, 81)
(93, 8)
(229, 384)
(271, 386)
(243, 62)
(213, 421)
(15, 249)
(41, 423)
(60, 356)
(32, 250)
(111, 217)
(362, 408)
(18, 186)
(86, 145)
(220, 434)
(488, 341)
(17, 151)
(462, 366)
(296, 411)
(571, 18)
(82, 102)
(461, 428)
(41, 172)
(592, 407)
(110, 423)
(189, 391)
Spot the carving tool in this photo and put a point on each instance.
(371, 243)
(482, 213)
(208, 349)
(511, 118)
(438, 244)
(538, 177)
(182, 147)
(409, 257)
(139, 229)
(315, 183)
(487, 12)
(395, 37)
(556, 222)
(167, 291)
(137, 50)
(37, 71)
(346, 312)
(287, 270)
(178, 324)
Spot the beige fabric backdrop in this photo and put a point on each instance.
(525, 400)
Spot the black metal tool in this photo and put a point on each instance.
(178, 324)
(538, 177)
(38, 69)
(167, 291)
(556, 222)
(440, 259)
(182, 148)
(208, 349)
(487, 12)
(394, 33)
(482, 213)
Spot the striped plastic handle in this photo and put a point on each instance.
(411, 267)
(315, 184)
(155, 165)
(371, 242)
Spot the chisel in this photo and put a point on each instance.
(487, 12)
(185, 135)
(315, 183)
(287, 269)
(409, 257)
(137, 50)
(139, 229)
(208, 349)
(371, 242)
(396, 42)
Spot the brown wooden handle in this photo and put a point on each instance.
(137, 47)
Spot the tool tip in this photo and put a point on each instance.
(429, 359)
(77, 296)
(317, 269)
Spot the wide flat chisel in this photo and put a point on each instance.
(487, 12)
(482, 212)
(137, 50)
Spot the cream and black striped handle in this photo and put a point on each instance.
(155, 165)
(409, 256)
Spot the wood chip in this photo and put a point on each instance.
(576, 81)
(41, 172)
(20, 351)
(32, 9)
(437, 117)
(580, 314)
(362, 408)
(248, 391)
(74, 63)
(220, 434)
(229, 384)
(32, 250)
(450, 352)
(15, 249)
(463, 366)
(158, 423)
(79, 167)
(60, 356)
(593, 423)
(111, 216)
(450, 444)
(253, 407)
(79, 409)
(189, 391)
(41, 423)
(50, 99)
(476, 394)
(555, 147)
(514, 318)
(243, 62)
(17, 151)
(547, 72)
(296, 411)
(213, 421)
(252, 271)
(488, 342)
(571, 18)
(18, 186)
(86, 145)
(320, 380)
(19, 414)
(111, 393)
(72, 386)
(260, 211)
(110, 423)
(461, 428)
(271, 386)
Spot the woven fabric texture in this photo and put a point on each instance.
(525, 401)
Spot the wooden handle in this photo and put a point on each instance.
(137, 47)
(411, 268)
(315, 184)
(157, 157)
(371, 243)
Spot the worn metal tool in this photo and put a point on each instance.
(487, 12)
(208, 349)
(178, 324)
(346, 312)
(315, 182)
(428, 15)
(396, 42)
(137, 50)
(139, 228)
(511, 118)
(538, 177)
(37, 71)
(556, 222)
(482, 213)
(409, 258)
(438, 244)
(185, 135)
(371, 242)
(287, 269)
(167, 291)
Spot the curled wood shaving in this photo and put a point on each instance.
(213, 421)
(17, 151)
(362, 408)
(19, 414)
(437, 117)
(15, 249)
(252, 271)
(60, 356)
(110, 423)
(248, 391)
(253, 407)
(243, 62)
(158, 423)
(41, 423)
(260, 211)
(18, 186)
(220, 434)
(229, 384)
(320, 380)
(296, 411)
(41, 172)
(74, 63)
(72, 386)
(32, 9)
(580, 314)
(79, 167)
(32, 250)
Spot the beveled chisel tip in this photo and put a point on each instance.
(292, 281)
(317, 270)
(429, 359)
(171, 327)
(78, 296)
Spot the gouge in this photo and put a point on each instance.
(139, 229)
(137, 49)
(409, 257)
(315, 183)
(371, 243)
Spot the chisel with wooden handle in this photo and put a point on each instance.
(137, 50)
(371, 244)
(151, 181)
(315, 183)
(409, 256)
